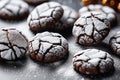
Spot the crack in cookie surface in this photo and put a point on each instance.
(45, 16)
(67, 20)
(11, 9)
(110, 13)
(92, 62)
(48, 47)
(10, 47)
(115, 43)
(91, 28)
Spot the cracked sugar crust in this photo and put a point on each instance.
(35, 2)
(92, 62)
(13, 44)
(91, 28)
(115, 43)
(13, 9)
(48, 47)
(67, 20)
(44, 16)
(110, 13)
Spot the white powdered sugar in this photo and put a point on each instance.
(92, 61)
(115, 43)
(52, 46)
(13, 8)
(44, 16)
(91, 28)
(109, 12)
(13, 44)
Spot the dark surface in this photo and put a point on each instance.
(27, 69)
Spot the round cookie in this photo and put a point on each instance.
(13, 9)
(35, 2)
(115, 43)
(92, 62)
(110, 13)
(67, 20)
(13, 44)
(44, 16)
(48, 47)
(91, 28)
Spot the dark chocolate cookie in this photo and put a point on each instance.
(115, 43)
(44, 16)
(13, 9)
(67, 20)
(110, 13)
(13, 44)
(35, 2)
(91, 28)
(48, 47)
(92, 62)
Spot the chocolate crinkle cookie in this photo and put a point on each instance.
(48, 47)
(91, 28)
(35, 2)
(13, 44)
(44, 16)
(93, 62)
(115, 43)
(67, 20)
(110, 13)
(13, 9)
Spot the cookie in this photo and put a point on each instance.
(44, 16)
(48, 47)
(35, 2)
(92, 62)
(91, 28)
(13, 9)
(110, 13)
(67, 20)
(88, 2)
(115, 43)
(13, 44)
